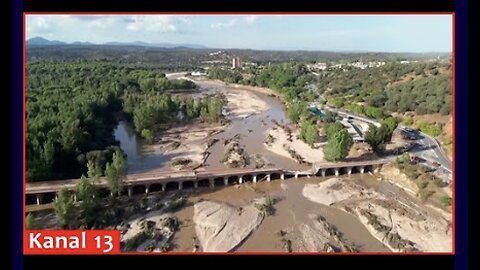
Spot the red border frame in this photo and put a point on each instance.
(452, 14)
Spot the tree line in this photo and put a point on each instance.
(71, 108)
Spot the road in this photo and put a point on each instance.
(428, 148)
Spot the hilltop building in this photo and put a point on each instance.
(236, 62)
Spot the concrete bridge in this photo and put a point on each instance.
(45, 191)
(324, 169)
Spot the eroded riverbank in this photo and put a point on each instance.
(250, 113)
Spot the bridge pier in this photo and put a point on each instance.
(147, 189)
(211, 181)
(39, 198)
(362, 169)
(180, 185)
(195, 184)
(129, 191)
(254, 177)
(225, 181)
(164, 187)
(296, 174)
(349, 170)
(282, 176)
(240, 180)
(337, 172)
(323, 172)
(269, 178)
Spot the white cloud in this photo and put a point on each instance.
(103, 23)
(248, 20)
(37, 26)
(152, 23)
(228, 24)
(45, 25)
(251, 19)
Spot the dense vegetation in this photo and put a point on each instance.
(154, 111)
(187, 58)
(71, 108)
(424, 87)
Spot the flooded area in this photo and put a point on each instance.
(246, 120)
(139, 159)
(291, 211)
(356, 212)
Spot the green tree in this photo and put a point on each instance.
(65, 209)
(391, 122)
(294, 111)
(94, 169)
(377, 137)
(309, 132)
(338, 145)
(332, 128)
(116, 172)
(30, 222)
(87, 194)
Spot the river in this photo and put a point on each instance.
(292, 209)
(252, 131)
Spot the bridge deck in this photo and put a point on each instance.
(190, 175)
(148, 178)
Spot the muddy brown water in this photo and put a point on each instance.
(291, 210)
(252, 131)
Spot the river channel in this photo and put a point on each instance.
(292, 209)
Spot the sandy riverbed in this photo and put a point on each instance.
(242, 104)
(401, 222)
(281, 143)
(190, 142)
(221, 227)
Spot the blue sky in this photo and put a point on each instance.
(385, 33)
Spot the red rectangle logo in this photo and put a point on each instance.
(71, 242)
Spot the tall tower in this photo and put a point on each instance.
(236, 62)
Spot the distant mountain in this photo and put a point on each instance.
(39, 41)
(44, 42)
(82, 43)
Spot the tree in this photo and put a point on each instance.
(391, 122)
(332, 128)
(64, 209)
(30, 222)
(87, 194)
(338, 146)
(309, 132)
(116, 172)
(377, 137)
(94, 169)
(294, 111)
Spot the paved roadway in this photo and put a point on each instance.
(428, 148)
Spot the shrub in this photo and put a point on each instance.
(446, 200)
